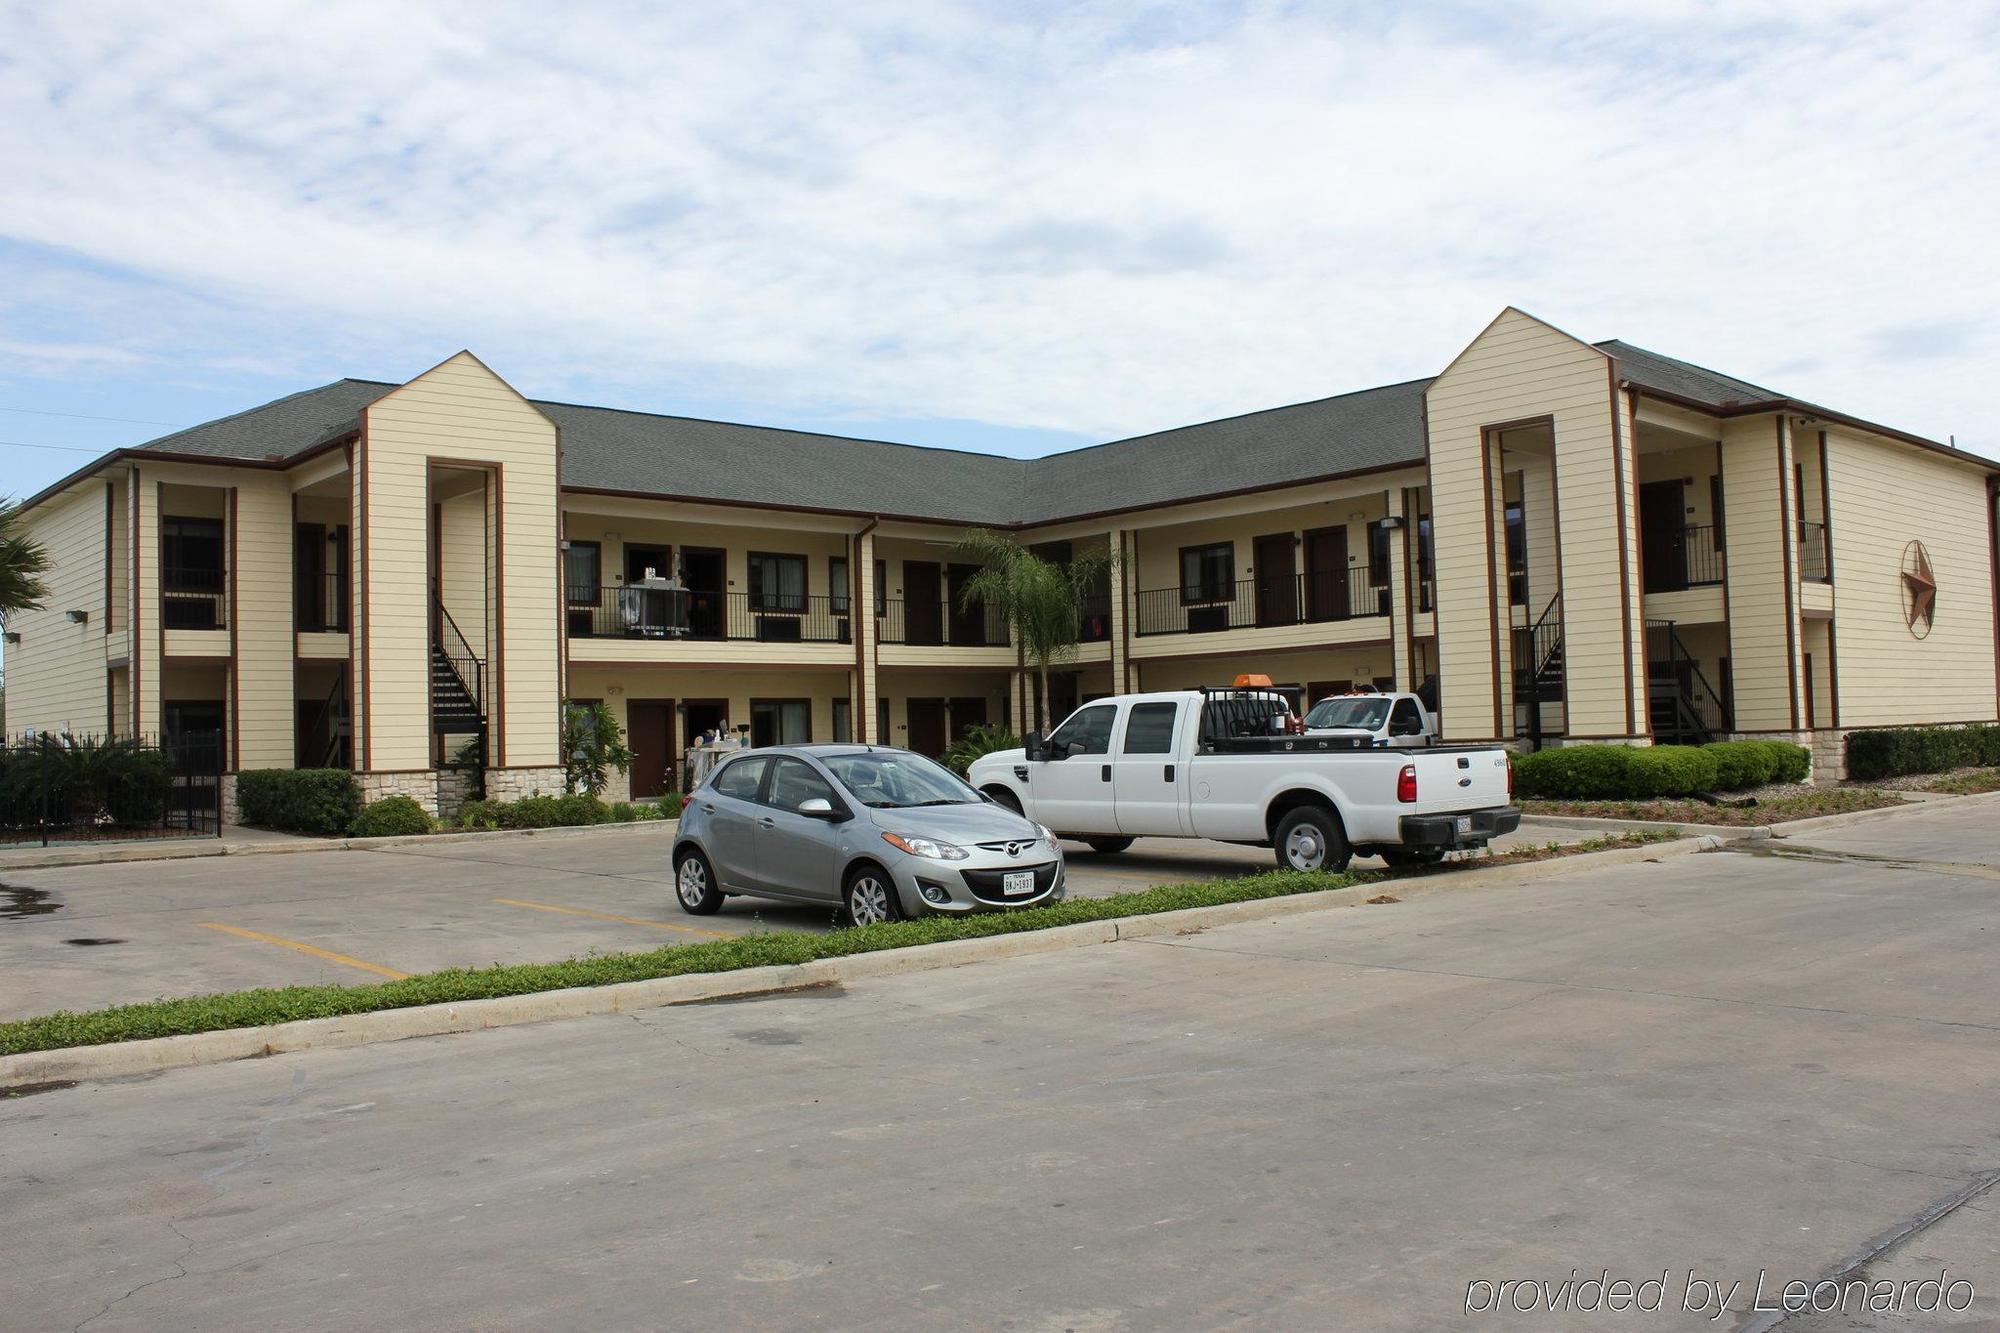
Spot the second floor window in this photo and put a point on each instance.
(777, 582)
(1208, 573)
(836, 583)
(583, 563)
(1517, 554)
(191, 573)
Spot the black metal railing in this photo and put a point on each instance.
(1686, 556)
(325, 603)
(194, 597)
(450, 647)
(1094, 626)
(1685, 708)
(326, 740)
(1296, 599)
(945, 623)
(1813, 564)
(66, 788)
(681, 613)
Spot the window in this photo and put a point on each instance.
(1357, 712)
(1406, 720)
(740, 777)
(881, 587)
(836, 583)
(777, 582)
(843, 721)
(780, 721)
(1090, 729)
(794, 782)
(1208, 573)
(583, 567)
(1378, 555)
(888, 779)
(191, 573)
(1149, 729)
(1517, 554)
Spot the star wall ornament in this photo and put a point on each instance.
(1919, 590)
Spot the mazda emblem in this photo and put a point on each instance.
(1014, 848)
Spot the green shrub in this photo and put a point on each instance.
(578, 809)
(1670, 770)
(529, 812)
(1791, 763)
(1575, 772)
(85, 781)
(624, 812)
(391, 817)
(977, 742)
(1905, 750)
(321, 801)
(1742, 764)
(670, 805)
(479, 814)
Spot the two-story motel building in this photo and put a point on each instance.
(1577, 541)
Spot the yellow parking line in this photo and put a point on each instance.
(377, 969)
(607, 916)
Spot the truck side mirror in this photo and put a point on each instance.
(1037, 750)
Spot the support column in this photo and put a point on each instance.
(861, 560)
(1120, 606)
(1401, 590)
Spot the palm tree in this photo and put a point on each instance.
(1043, 603)
(22, 563)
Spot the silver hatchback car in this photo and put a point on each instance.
(881, 832)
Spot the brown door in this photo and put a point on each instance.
(1277, 580)
(923, 605)
(1663, 535)
(965, 715)
(927, 730)
(649, 732)
(1326, 574)
(968, 627)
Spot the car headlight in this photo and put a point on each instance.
(927, 847)
(1049, 836)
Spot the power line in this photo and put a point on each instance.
(66, 448)
(85, 416)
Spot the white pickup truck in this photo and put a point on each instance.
(1390, 721)
(1205, 764)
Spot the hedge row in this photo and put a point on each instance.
(1890, 754)
(326, 802)
(1625, 772)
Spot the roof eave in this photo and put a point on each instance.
(1755, 407)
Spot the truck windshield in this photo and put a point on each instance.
(1364, 713)
(892, 779)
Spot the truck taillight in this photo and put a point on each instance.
(1406, 785)
(1510, 775)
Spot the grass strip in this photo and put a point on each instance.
(254, 1008)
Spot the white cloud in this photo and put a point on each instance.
(1098, 219)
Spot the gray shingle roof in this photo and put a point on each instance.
(1683, 379)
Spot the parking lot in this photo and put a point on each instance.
(87, 936)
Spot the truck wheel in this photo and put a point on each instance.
(1002, 797)
(1310, 838)
(1108, 846)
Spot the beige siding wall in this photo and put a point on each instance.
(1884, 496)
(1763, 622)
(1157, 566)
(459, 412)
(263, 621)
(464, 555)
(121, 555)
(1517, 369)
(1359, 664)
(55, 674)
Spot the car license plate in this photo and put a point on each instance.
(1463, 824)
(1018, 883)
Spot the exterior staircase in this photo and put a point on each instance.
(455, 709)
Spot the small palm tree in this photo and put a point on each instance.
(1043, 603)
(22, 563)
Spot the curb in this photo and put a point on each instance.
(195, 849)
(153, 1054)
(1822, 822)
(1727, 832)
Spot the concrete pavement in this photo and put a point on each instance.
(1721, 1063)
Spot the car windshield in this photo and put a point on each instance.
(1365, 713)
(896, 779)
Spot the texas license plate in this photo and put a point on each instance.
(1018, 883)
(1463, 824)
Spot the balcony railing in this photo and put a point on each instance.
(682, 614)
(324, 601)
(942, 623)
(194, 597)
(1095, 626)
(1683, 557)
(1297, 599)
(1813, 566)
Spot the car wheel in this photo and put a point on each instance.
(1407, 857)
(871, 897)
(694, 884)
(1108, 846)
(1310, 838)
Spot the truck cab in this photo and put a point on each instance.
(1395, 721)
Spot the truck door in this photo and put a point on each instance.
(1146, 783)
(1071, 792)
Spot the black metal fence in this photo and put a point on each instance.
(944, 622)
(1294, 599)
(1813, 566)
(639, 612)
(65, 788)
(1688, 556)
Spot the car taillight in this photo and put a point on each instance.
(1406, 784)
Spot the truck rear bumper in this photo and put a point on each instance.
(1473, 828)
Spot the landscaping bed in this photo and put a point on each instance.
(1750, 810)
(255, 1008)
(1956, 782)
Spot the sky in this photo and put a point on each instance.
(1012, 227)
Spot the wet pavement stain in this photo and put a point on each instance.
(30, 1089)
(90, 941)
(17, 902)
(771, 1037)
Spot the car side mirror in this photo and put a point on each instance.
(816, 807)
(1036, 748)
